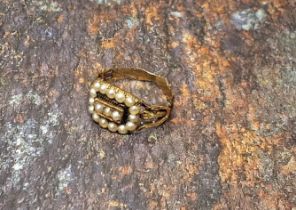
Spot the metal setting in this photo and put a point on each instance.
(120, 111)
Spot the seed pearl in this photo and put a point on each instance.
(95, 117)
(97, 86)
(131, 126)
(107, 111)
(112, 127)
(93, 92)
(116, 115)
(111, 93)
(134, 110)
(99, 107)
(91, 109)
(91, 101)
(120, 97)
(133, 118)
(129, 101)
(103, 88)
(103, 122)
(122, 129)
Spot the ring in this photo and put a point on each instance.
(120, 111)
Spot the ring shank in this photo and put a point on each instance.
(138, 74)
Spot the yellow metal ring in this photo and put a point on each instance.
(120, 111)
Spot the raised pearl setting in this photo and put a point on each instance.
(122, 129)
(95, 117)
(91, 109)
(109, 113)
(92, 92)
(103, 88)
(133, 118)
(112, 127)
(99, 107)
(91, 101)
(111, 93)
(130, 126)
(116, 115)
(129, 101)
(97, 85)
(134, 110)
(103, 122)
(120, 97)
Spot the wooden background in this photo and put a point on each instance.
(230, 143)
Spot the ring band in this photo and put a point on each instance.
(120, 111)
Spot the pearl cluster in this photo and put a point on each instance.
(98, 109)
(107, 111)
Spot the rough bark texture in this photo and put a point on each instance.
(230, 143)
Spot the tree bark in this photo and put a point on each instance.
(230, 142)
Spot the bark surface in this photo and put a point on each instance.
(230, 142)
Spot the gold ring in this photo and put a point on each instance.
(120, 111)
